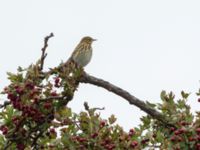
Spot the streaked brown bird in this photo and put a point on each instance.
(83, 52)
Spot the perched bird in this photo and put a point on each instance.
(83, 52)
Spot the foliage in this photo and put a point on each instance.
(36, 116)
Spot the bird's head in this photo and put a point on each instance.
(87, 39)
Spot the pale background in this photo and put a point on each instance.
(143, 46)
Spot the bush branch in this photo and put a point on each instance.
(4, 104)
(44, 54)
(86, 78)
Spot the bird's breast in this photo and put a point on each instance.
(83, 58)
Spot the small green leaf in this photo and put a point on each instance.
(20, 69)
(159, 136)
(184, 95)
(163, 95)
(181, 104)
(15, 77)
(2, 140)
(112, 119)
(198, 93)
(151, 104)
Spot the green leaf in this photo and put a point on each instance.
(171, 96)
(2, 140)
(198, 93)
(151, 104)
(184, 95)
(146, 121)
(20, 69)
(159, 136)
(181, 104)
(112, 119)
(8, 114)
(163, 95)
(65, 112)
(15, 77)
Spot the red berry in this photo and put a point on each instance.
(47, 105)
(134, 144)
(73, 138)
(4, 129)
(12, 97)
(109, 146)
(15, 120)
(94, 135)
(181, 130)
(198, 99)
(172, 129)
(54, 93)
(154, 135)
(198, 138)
(102, 123)
(5, 89)
(52, 130)
(20, 146)
(51, 146)
(35, 100)
(191, 139)
(81, 140)
(177, 132)
(180, 139)
(17, 105)
(107, 140)
(144, 141)
(131, 132)
(57, 80)
(30, 85)
(173, 139)
(198, 130)
(198, 146)
(183, 123)
(81, 147)
(19, 90)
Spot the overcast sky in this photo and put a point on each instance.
(143, 46)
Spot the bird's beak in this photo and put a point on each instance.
(94, 39)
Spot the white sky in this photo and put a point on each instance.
(143, 46)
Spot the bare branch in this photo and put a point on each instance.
(88, 108)
(4, 104)
(86, 78)
(44, 54)
(52, 98)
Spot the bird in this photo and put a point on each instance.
(82, 54)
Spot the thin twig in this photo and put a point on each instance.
(44, 54)
(86, 78)
(4, 104)
(52, 98)
(88, 108)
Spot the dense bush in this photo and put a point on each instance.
(36, 116)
